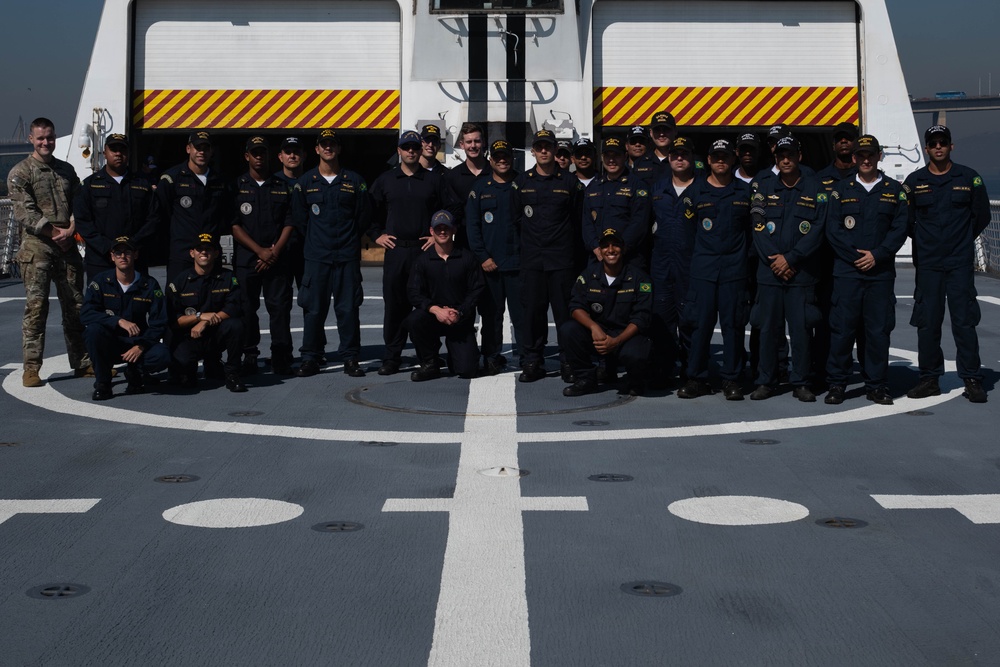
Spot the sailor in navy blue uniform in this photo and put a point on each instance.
(670, 262)
(717, 290)
(261, 231)
(866, 227)
(789, 212)
(292, 159)
(125, 314)
(654, 165)
(547, 209)
(404, 199)
(612, 307)
(192, 199)
(113, 203)
(331, 210)
(949, 208)
(493, 239)
(205, 306)
(617, 200)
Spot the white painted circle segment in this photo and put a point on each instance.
(233, 513)
(738, 510)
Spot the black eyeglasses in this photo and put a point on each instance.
(122, 253)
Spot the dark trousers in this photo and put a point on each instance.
(867, 306)
(707, 302)
(395, 274)
(460, 339)
(276, 286)
(823, 291)
(227, 335)
(502, 291)
(578, 344)
(342, 282)
(671, 334)
(778, 305)
(958, 286)
(106, 349)
(539, 291)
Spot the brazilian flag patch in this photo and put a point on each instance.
(364, 186)
(821, 197)
(645, 287)
(158, 294)
(976, 182)
(235, 284)
(902, 195)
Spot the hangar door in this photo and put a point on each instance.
(725, 62)
(293, 64)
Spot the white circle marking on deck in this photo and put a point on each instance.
(737, 510)
(233, 513)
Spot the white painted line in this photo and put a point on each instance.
(482, 610)
(989, 299)
(738, 510)
(233, 513)
(977, 508)
(10, 367)
(9, 508)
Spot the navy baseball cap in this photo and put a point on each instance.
(636, 131)
(787, 143)
(408, 137)
(937, 129)
(443, 218)
(747, 139)
(849, 130)
(116, 139)
(682, 144)
(501, 147)
(583, 145)
(207, 239)
(868, 144)
(722, 146)
(663, 119)
(543, 136)
(609, 236)
(430, 133)
(290, 142)
(124, 241)
(776, 132)
(612, 144)
(564, 145)
(199, 138)
(254, 143)
(327, 135)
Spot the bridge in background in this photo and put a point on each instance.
(940, 107)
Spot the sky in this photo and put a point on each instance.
(942, 45)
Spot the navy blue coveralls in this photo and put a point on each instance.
(547, 212)
(454, 283)
(489, 219)
(947, 213)
(294, 246)
(793, 227)
(873, 221)
(187, 208)
(718, 274)
(105, 209)
(143, 304)
(263, 211)
(622, 204)
(218, 291)
(670, 268)
(331, 219)
(403, 206)
(627, 300)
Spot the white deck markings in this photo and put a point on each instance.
(977, 508)
(10, 508)
(989, 299)
(233, 513)
(482, 610)
(737, 510)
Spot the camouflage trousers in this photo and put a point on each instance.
(40, 267)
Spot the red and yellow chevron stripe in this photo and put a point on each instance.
(728, 105)
(266, 109)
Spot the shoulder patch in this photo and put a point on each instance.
(902, 195)
(835, 194)
(698, 164)
(580, 279)
(906, 188)
(976, 182)
(94, 285)
(645, 287)
(172, 288)
(167, 178)
(158, 293)
(363, 187)
(235, 282)
(821, 197)
(472, 194)
(642, 193)
(687, 201)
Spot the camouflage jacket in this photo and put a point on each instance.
(42, 193)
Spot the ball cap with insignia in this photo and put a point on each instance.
(583, 145)
(682, 144)
(867, 144)
(501, 147)
(788, 143)
(123, 242)
(328, 134)
(776, 132)
(564, 146)
(934, 130)
(408, 137)
(207, 239)
(443, 218)
(722, 146)
(849, 130)
(609, 236)
(430, 133)
(636, 131)
(200, 138)
(290, 142)
(256, 143)
(544, 136)
(612, 144)
(747, 139)
(116, 139)
(662, 119)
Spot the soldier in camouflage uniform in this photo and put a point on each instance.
(42, 189)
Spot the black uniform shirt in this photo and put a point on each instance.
(331, 217)
(263, 211)
(547, 212)
(627, 300)
(143, 304)
(622, 204)
(105, 209)
(489, 217)
(873, 221)
(403, 205)
(721, 219)
(793, 227)
(456, 282)
(189, 208)
(214, 292)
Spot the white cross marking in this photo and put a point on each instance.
(10, 508)
(977, 508)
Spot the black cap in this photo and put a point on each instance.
(722, 146)
(609, 235)
(430, 132)
(850, 130)
(662, 119)
(290, 142)
(612, 144)
(501, 147)
(776, 132)
(868, 144)
(543, 136)
(443, 217)
(207, 239)
(937, 129)
(254, 143)
(124, 241)
(116, 139)
(747, 139)
(328, 134)
(564, 145)
(408, 137)
(636, 131)
(198, 138)
(583, 144)
(787, 143)
(682, 144)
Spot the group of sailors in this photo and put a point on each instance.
(638, 248)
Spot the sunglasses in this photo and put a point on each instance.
(122, 253)
(938, 143)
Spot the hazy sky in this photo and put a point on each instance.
(943, 45)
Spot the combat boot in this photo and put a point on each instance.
(30, 378)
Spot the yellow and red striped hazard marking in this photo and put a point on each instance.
(266, 109)
(728, 105)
